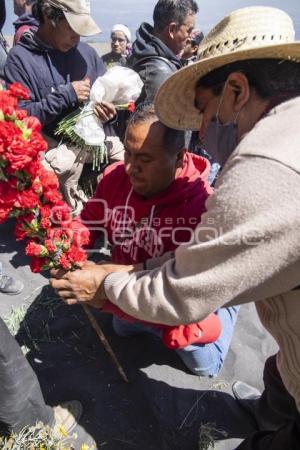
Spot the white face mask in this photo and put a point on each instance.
(220, 140)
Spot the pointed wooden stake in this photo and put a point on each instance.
(105, 342)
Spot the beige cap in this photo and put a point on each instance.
(249, 33)
(77, 13)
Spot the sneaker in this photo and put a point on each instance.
(248, 398)
(266, 418)
(10, 286)
(66, 417)
(66, 426)
(243, 391)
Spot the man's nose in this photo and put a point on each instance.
(131, 168)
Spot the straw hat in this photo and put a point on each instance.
(248, 33)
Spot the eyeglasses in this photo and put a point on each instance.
(115, 39)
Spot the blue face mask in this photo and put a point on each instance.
(220, 139)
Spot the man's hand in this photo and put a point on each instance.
(105, 111)
(85, 285)
(82, 89)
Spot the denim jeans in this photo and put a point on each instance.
(201, 359)
(21, 400)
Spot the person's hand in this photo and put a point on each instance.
(84, 285)
(105, 111)
(82, 89)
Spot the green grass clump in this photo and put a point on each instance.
(208, 433)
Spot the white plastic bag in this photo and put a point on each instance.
(89, 127)
(119, 85)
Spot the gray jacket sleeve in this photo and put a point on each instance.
(246, 249)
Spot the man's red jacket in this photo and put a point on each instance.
(140, 228)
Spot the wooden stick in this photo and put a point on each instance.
(105, 342)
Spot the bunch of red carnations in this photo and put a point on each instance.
(30, 193)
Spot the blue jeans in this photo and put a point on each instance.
(201, 359)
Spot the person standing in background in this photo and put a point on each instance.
(189, 54)
(155, 53)
(25, 22)
(120, 41)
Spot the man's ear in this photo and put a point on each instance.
(239, 85)
(172, 28)
(180, 158)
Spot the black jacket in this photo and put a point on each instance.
(152, 60)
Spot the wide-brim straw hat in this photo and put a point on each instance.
(248, 33)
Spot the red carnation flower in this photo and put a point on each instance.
(37, 264)
(37, 142)
(7, 100)
(17, 162)
(64, 262)
(8, 110)
(50, 246)
(20, 114)
(8, 131)
(34, 249)
(131, 107)
(62, 214)
(8, 194)
(18, 153)
(19, 91)
(4, 212)
(33, 168)
(76, 255)
(32, 123)
(26, 226)
(45, 215)
(52, 196)
(21, 231)
(49, 179)
(81, 234)
(37, 186)
(60, 235)
(27, 199)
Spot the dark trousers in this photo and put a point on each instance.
(21, 399)
(277, 416)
